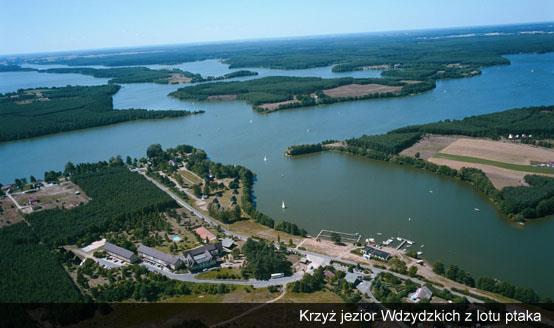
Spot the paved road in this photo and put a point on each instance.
(191, 277)
(14, 201)
(260, 284)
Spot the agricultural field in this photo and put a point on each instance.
(499, 151)
(504, 163)
(429, 145)
(361, 90)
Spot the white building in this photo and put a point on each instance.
(422, 293)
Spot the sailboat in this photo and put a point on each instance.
(265, 158)
(283, 205)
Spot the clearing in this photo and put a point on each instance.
(269, 107)
(223, 97)
(251, 228)
(178, 78)
(360, 90)
(499, 177)
(505, 163)
(8, 212)
(501, 151)
(429, 145)
(66, 195)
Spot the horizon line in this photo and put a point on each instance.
(270, 38)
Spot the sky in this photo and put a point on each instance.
(28, 26)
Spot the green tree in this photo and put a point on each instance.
(154, 151)
(438, 268)
(69, 169)
(335, 237)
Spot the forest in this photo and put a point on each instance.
(532, 201)
(29, 271)
(536, 121)
(262, 260)
(304, 149)
(118, 198)
(14, 68)
(145, 75)
(390, 143)
(128, 74)
(481, 46)
(522, 294)
(36, 112)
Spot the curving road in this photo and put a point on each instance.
(192, 277)
(262, 283)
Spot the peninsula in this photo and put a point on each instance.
(36, 112)
(507, 156)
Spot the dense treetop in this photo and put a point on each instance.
(29, 271)
(537, 121)
(36, 112)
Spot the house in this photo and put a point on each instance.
(422, 293)
(352, 278)
(228, 244)
(329, 274)
(202, 257)
(205, 234)
(7, 188)
(119, 252)
(156, 257)
(364, 287)
(370, 252)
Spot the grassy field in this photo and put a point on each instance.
(509, 166)
(239, 294)
(323, 296)
(190, 177)
(218, 273)
(251, 228)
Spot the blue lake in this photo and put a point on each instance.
(329, 190)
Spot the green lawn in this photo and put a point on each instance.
(221, 273)
(509, 166)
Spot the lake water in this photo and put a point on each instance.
(329, 190)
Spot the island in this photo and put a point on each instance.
(134, 74)
(146, 75)
(36, 112)
(507, 156)
(273, 93)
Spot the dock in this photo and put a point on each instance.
(404, 241)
